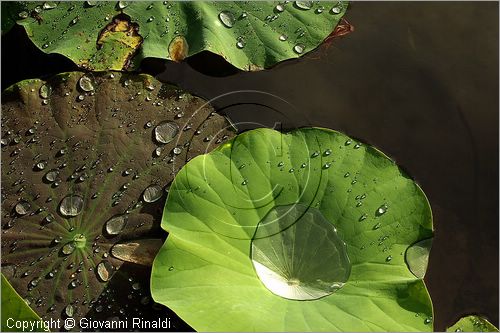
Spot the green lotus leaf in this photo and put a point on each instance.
(14, 308)
(86, 163)
(472, 324)
(303, 231)
(101, 35)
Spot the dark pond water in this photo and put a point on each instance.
(418, 80)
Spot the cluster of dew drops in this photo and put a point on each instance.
(379, 212)
(230, 19)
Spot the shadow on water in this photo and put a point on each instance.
(416, 80)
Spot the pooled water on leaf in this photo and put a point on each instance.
(298, 254)
(115, 224)
(227, 18)
(152, 193)
(71, 205)
(166, 131)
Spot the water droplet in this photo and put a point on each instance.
(22, 208)
(389, 258)
(41, 165)
(171, 268)
(152, 193)
(49, 5)
(227, 18)
(86, 84)
(327, 152)
(136, 286)
(347, 174)
(428, 320)
(151, 19)
(74, 21)
(363, 217)
(299, 48)
(337, 9)
(376, 226)
(327, 165)
(104, 270)
(288, 265)
(357, 145)
(177, 150)
(315, 154)
(45, 91)
(279, 8)
(320, 10)
(280, 164)
(116, 224)
(283, 37)
(348, 142)
(166, 131)
(69, 310)
(244, 182)
(71, 205)
(291, 170)
(240, 43)
(91, 3)
(303, 165)
(381, 210)
(68, 248)
(305, 5)
(122, 4)
(44, 46)
(23, 14)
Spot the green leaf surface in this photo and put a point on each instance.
(472, 324)
(219, 201)
(14, 308)
(86, 164)
(250, 35)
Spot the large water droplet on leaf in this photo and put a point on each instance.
(68, 248)
(116, 224)
(85, 83)
(104, 270)
(152, 193)
(227, 18)
(22, 208)
(299, 48)
(306, 5)
(122, 4)
(166, 131)
(298, 255)
(71, 205)
(45, 91)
